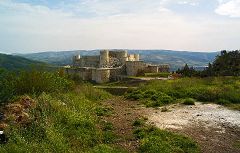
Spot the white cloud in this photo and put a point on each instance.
(25, 27)
(230, 8)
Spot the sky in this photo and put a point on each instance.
(53, 25)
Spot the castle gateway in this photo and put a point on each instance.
(111, 66)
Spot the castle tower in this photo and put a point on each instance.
(136, 57)
(104, 58)
(76, 59)
(123, 56)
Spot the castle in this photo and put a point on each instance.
(111, 66)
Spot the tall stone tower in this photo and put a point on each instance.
(123, 56)
(104, 58)
(136, 57)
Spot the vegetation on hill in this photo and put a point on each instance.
(30, 82)
(222, 90)
(225, 64)
(47, 112)
(14, 63)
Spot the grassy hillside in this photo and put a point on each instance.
(176, 59)
(221, 90)
(57, 58)
(11, 62)
(47, 112)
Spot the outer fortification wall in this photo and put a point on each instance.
(89, 61)
(83, 73)
(102, 75)
(164, 68)
(151, 69)
(134, 67)
(86, 61)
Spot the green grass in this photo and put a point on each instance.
(222, 90)
(153, 140)
(139, 122)
(62, 122)
(161, 74)
(237, 144)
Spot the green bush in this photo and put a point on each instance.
(189, 101)
(134, 95)
(223, 102)
(31, 82)
(139, 122)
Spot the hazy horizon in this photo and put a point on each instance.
(32, 52)
(28, 26)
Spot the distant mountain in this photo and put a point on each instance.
(59, 58)
(176, 59)
(11, 62)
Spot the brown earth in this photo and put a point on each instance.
(124, 114)
(213, 136)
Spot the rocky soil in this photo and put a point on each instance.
(214, 127)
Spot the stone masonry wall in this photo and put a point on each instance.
(133, 67)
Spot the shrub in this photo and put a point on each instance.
(134, 95)
(223, 102)
(31, 82)
(189, 101)
(138, 122)
(103, 111)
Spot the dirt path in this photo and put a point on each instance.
(124, 114)
(214, 127)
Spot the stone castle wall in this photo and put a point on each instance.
(111, 65)
(151, 69)
(134, 67)
(102, 75)
(87, 61)
(83, 73)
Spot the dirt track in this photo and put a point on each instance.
(214, 127)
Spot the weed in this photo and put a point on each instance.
(139, 122)
(164, 109)
(103, 111)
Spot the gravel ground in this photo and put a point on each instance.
(214, 127)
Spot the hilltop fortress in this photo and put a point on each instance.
(111, 66)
